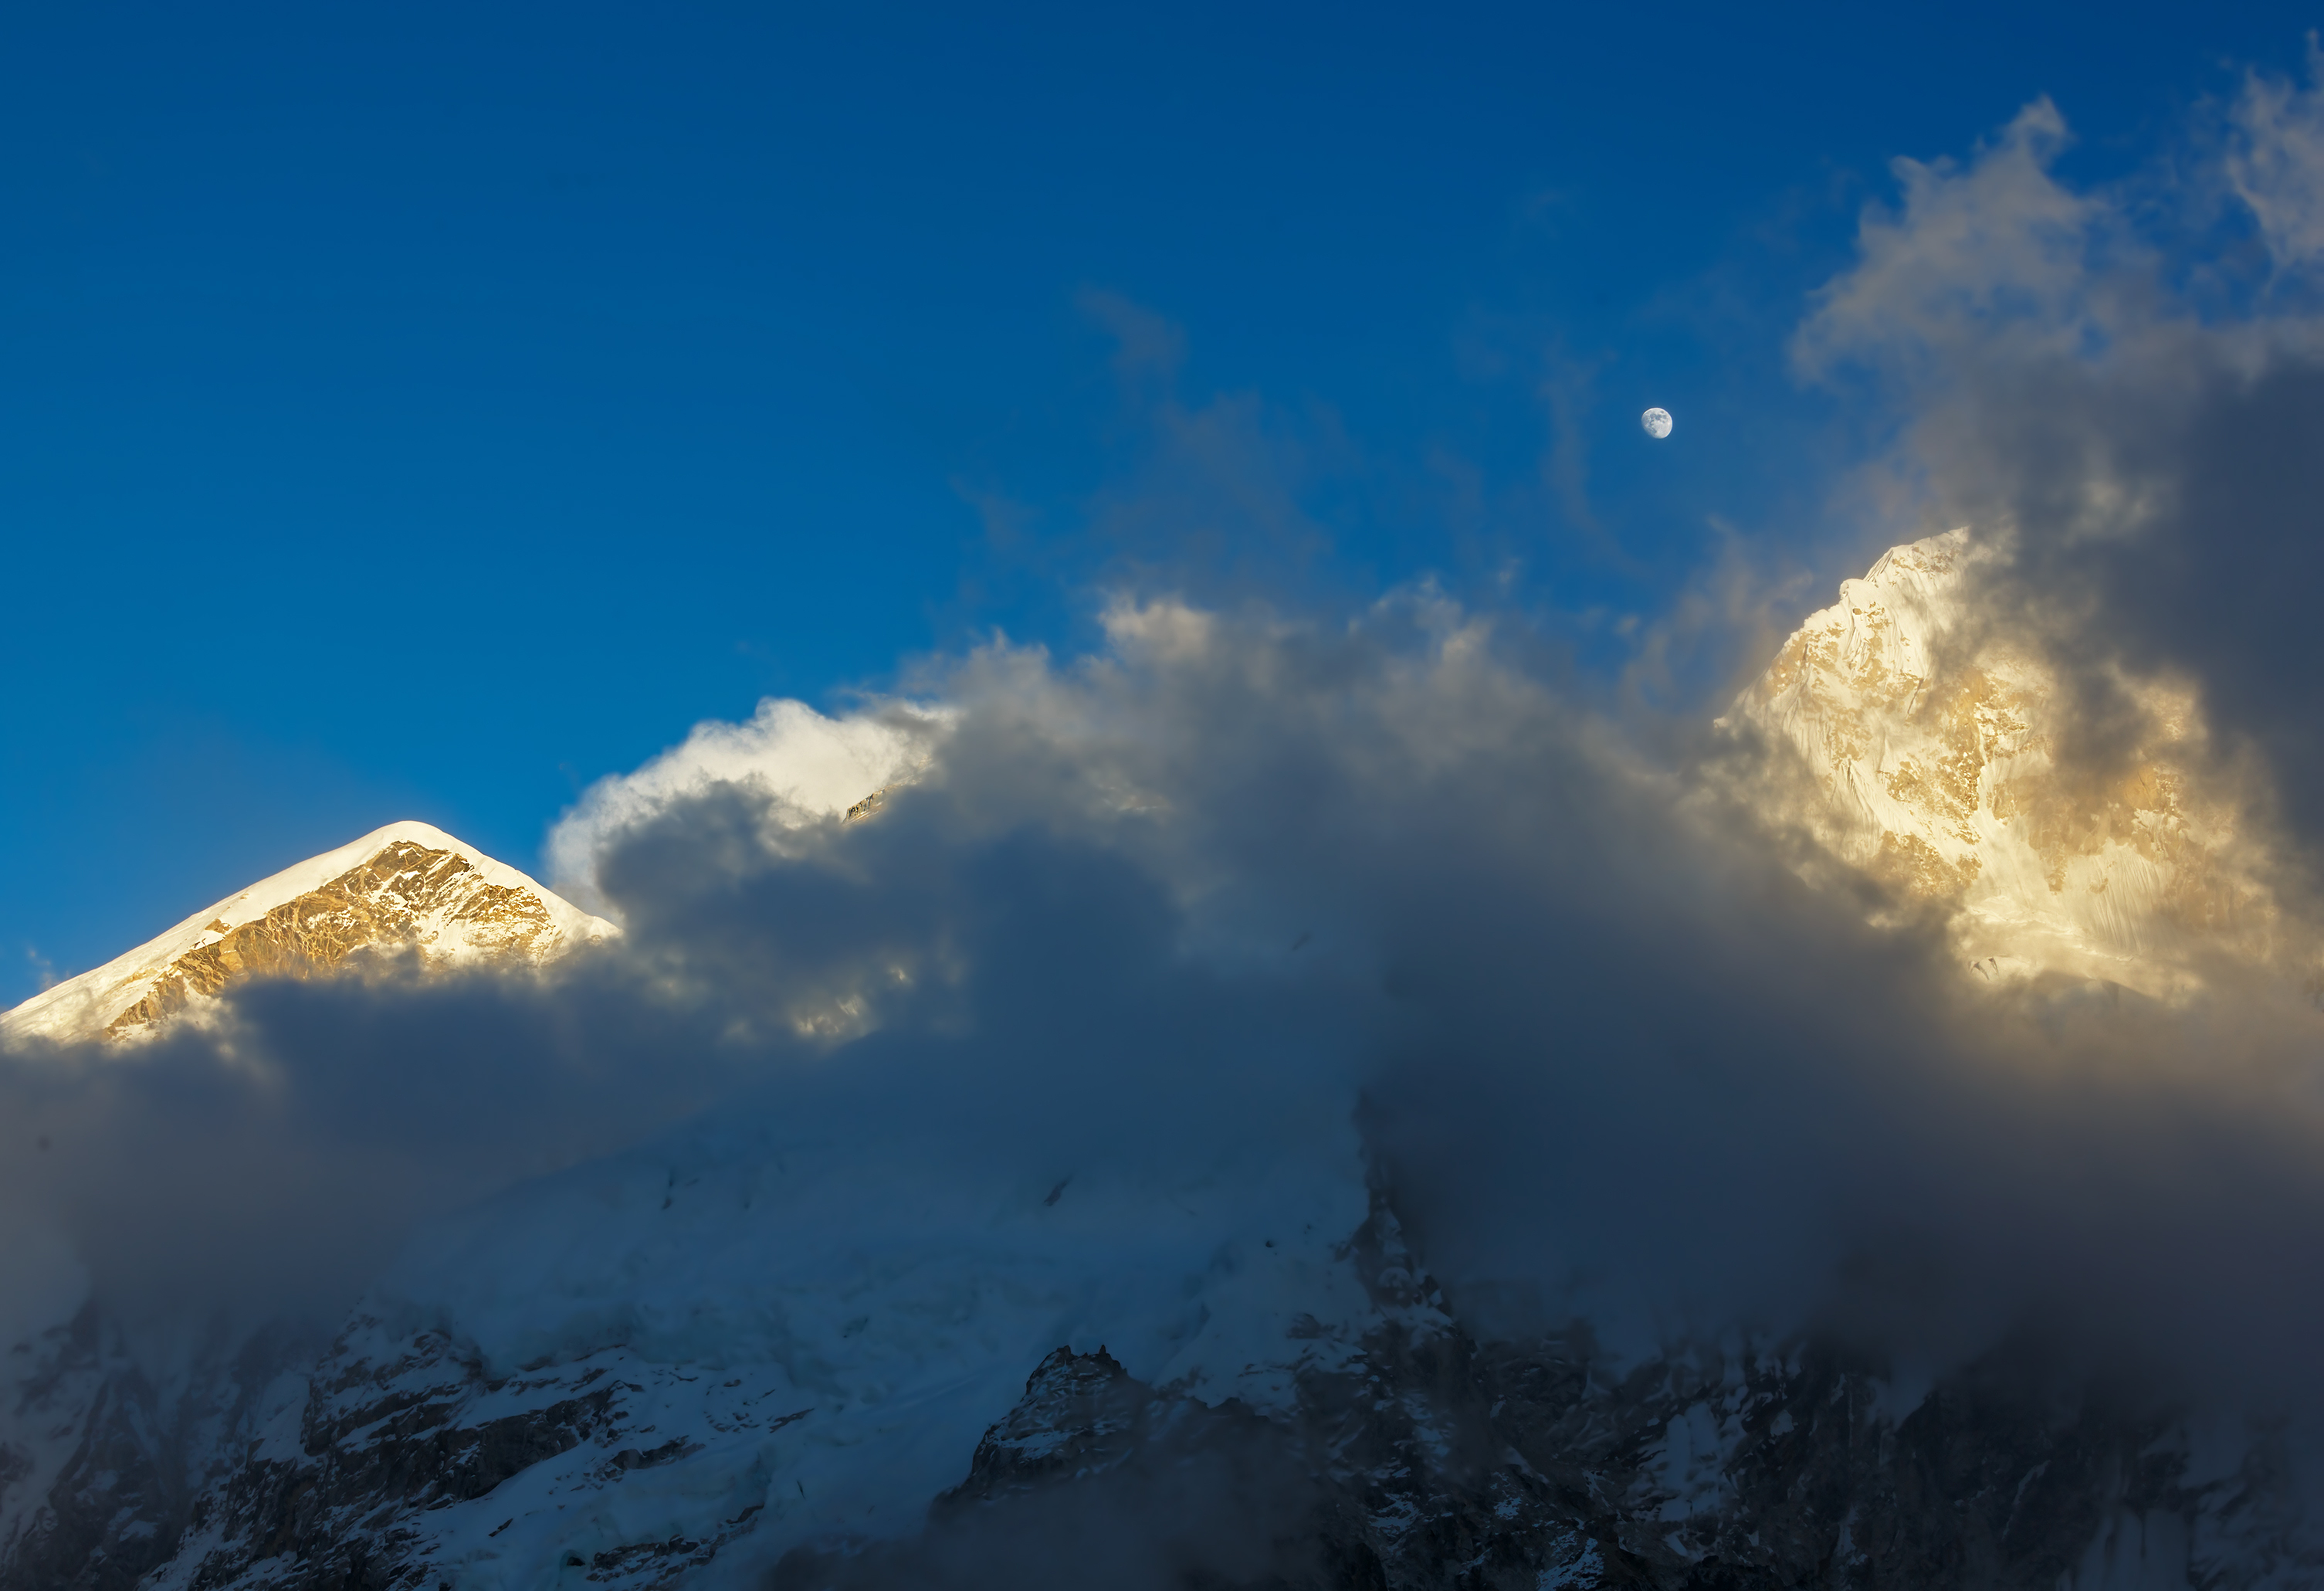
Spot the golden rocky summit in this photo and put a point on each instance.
(408, 887)
(1931, 741)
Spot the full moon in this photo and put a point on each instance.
(1657, 422)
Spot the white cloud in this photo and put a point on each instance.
(813, 767)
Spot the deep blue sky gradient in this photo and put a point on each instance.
(421, 411)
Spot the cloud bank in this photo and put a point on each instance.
(1612, 1052)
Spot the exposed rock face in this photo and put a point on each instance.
(407, 886)
(99, 1465)
(339, 1489)
(1933, 747)
(95, 1508)
(1096, 1479)
(287, 1469)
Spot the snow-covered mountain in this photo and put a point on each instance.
(753, 1353)
(749, 1340)
(1932, 743)
(406, 885)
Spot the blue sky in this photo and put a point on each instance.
(424, 412)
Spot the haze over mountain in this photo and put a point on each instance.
(910, 1317)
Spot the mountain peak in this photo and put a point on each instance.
(1932, 736)
(408, 885)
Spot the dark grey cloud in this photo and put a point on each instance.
(277, 1159)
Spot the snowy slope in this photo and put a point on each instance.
(408, 884)
(751, 1338)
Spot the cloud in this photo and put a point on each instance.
(275, 1160)
(1996, 252)
(808, 765)
(1615, 1054)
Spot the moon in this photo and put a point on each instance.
(1656, 424)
